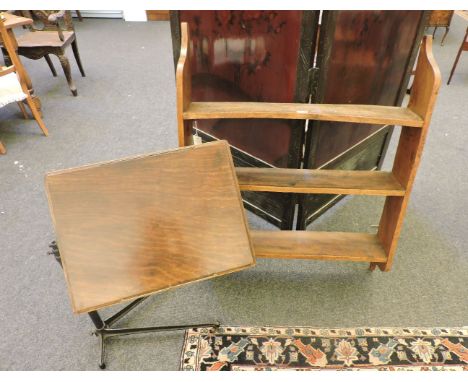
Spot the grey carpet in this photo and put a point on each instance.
(126, 106)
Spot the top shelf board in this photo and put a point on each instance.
(380, 115)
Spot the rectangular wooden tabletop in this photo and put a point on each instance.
(132, 227)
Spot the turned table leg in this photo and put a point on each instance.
(445, 35)
(67, 71)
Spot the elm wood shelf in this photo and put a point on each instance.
(319, 181)
(396, 185)
(311, 245)
(374, 114)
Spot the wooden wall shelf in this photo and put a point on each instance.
(379, 249)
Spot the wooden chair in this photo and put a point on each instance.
(23, 92)
(377, 249)
(51, 39)
(463, 47)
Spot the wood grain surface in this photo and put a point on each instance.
(184, 89)
(318, 181)
(410, 147)
(13, 21)
(47, 38)
(131, 227)
(157, 15)
(311, 245)
(383, 115)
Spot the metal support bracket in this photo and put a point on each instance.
(105, 329)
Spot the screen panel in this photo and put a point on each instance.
(364, 57)
(366, 64)
(258, 56)
(246, 56)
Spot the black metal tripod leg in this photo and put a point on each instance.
(121, 313)
(97, 320)
(101, 327)
(102, 364)
(152, 329)
(104, 329)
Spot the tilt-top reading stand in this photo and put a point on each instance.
(396, 185)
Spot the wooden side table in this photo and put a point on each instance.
(11, 22)
(129, 228)
(440, 19)
(463, 47)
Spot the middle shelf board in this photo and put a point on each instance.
(319, 181)
(374, 114)
(313, 245)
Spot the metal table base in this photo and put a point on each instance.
(105, 329)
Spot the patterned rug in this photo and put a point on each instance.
(283, 348)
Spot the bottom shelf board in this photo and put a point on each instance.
(345, 246)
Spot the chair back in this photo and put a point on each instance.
(42, 21)
(16, 64)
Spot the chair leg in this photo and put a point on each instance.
(2, 148)
(36, 115)
(51, 65)
(445, 35)
(78, 13)
(76, 53)
(66, 70)
(6, 58)
(455, 64)
(23, 109)
(433, 33)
